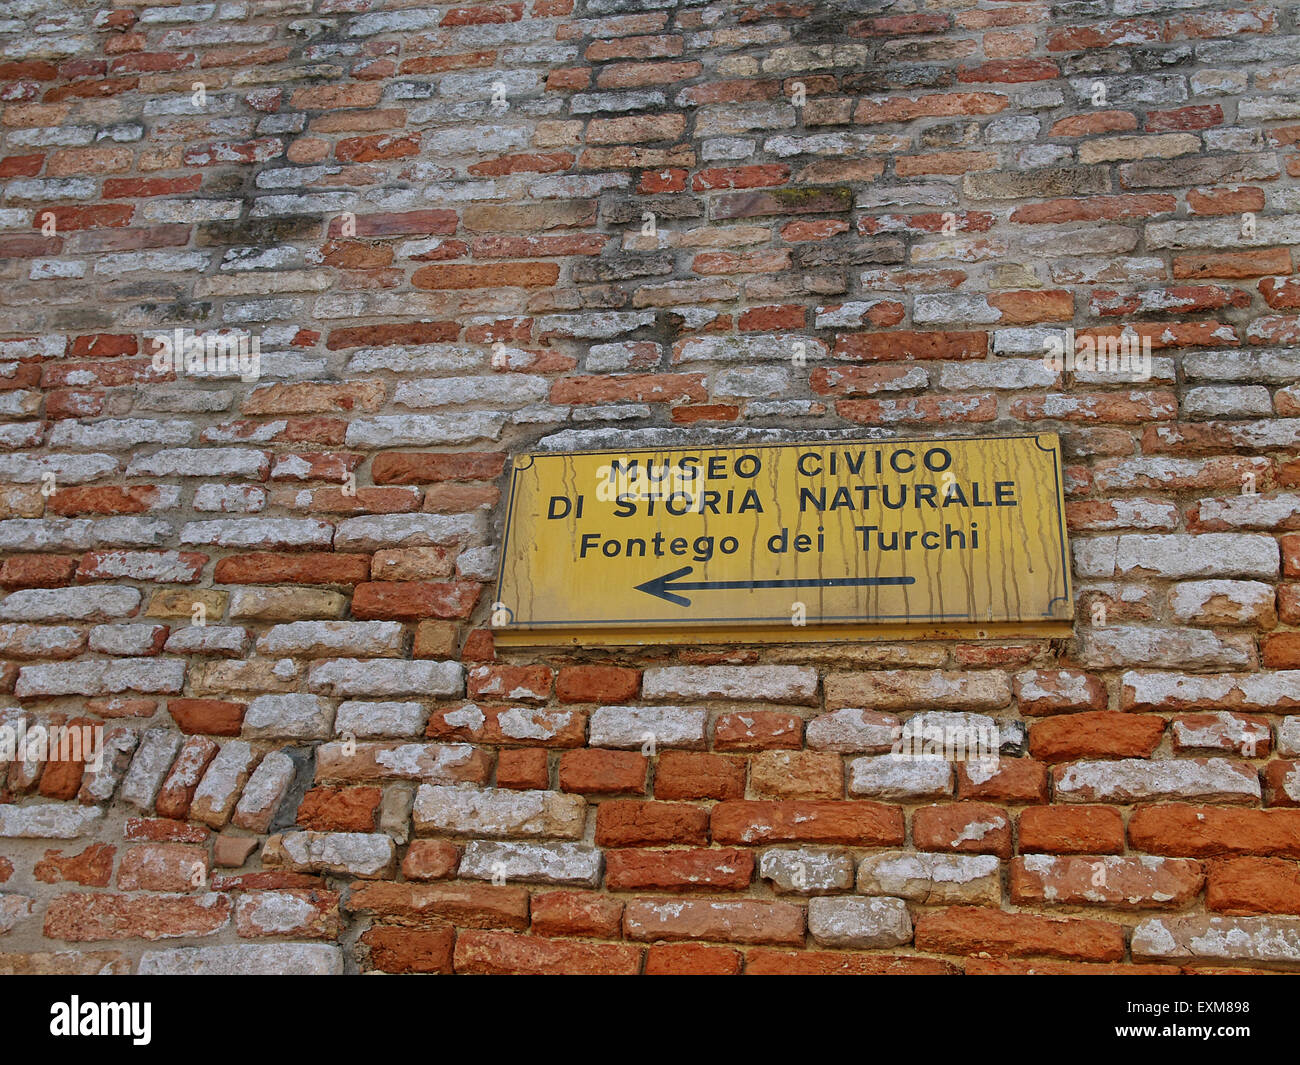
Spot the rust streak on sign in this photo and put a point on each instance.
(828, 540)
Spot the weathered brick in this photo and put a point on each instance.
(970, 930)
(1139, 882)
(505, 953)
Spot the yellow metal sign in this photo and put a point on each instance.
(789, 541)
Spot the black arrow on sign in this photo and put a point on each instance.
(667, 586)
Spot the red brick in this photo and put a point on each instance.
(91, 867)
(94, 216)
(933, 105)
(504, 953)
(37, 571)
(1234, 264)
(380, 146)
(906, 346)
(1199, 116)
(21, 165)
(466, 905)
(1010, 71)
(1279, 778)
(383, 335)
(554, 727)
(766, 319)
(692, 959)
(62, 776)
(597, 684)
(692, 775)
(807, 821)
(1071, 830)
(1095, 208)
(740, 177)
(974, 930)
(528, 163)
(81, 918)
(396, 467)
(163, 830)
(1103, 734)
(1126, 883)
(486, 275)
(1132, 407)
(730, 920)
(758, 730)
(340, 809)
(1281, 650)
(427, 949)
(678, 870)
(1097, 121)
(1207, 832)
(1015, 780)
(524, 769)
(598, 772)
(1290, 554)
(208, 717)
(711, 412)
(671, 179)
(268, 567)
(841, 963)
(430, 859)
(163, 867)
(413, 600)
(576, 913)
(633, 822)
(968, 827)
(528, 684)
(104, 499)
(1243, 886)
(177, 791)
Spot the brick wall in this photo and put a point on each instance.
(454, 232)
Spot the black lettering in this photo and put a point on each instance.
(893, 461)
(943, 453)
(817, 498)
